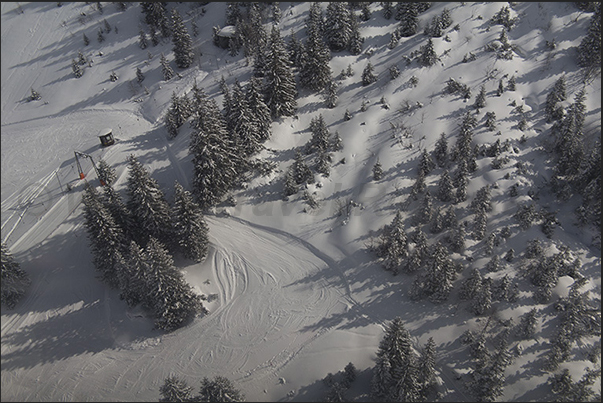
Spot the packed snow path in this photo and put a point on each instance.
(272, 293)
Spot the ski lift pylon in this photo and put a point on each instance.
(81, 171)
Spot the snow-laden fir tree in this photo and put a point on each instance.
(183, 44)
(356, 39)
(86, 40)
(427, 370)
(426, 163)
(245, 132)
(219, 389)
(176, 115)
(569, 138)
(290, 186)
(15, 280)
(336, 142)
(114, 203)
(566, 390)
(428, 56)
(440, 151)
(387, 9)
(368, 76)
(482, 300)
(445, 188)
(437, 221)
(457, 238)
(323, 162)
(166, 69)
(425, 211)
(589, 51)
(190, 228)
(482, 200)
(337, 25)
(301, 172)
(105, 236)
(132, 275)
(471, 285)
(480, 222)
(280, 89)
(331, 96)
(146, 202)
(100, 37)
(139, 75)
(106, 173)
(480, 99)
(505, 290)
(258, 108)
(77, 70)
(175, 389)
(320, 135)
(396, 359)
(295, 49)
(407, 13)
(377, 171)
(449, 218)
(156, 17)
(392, 246)
(315, 72)
(552, 110)
(435, 282)
(174, 302)
(349, 375)
(494, 264)
(217, 165)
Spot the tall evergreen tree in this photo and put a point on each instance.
(368, 76)
(174, 302)
(183, 44)
(280, 89)
(106, 172)
(114, 203)
(315, 72)
(589, 51)
(258, 109)
(217, 165)
(392, 247)
(190, 228)
(337, 25)
(132, 276)
(176, 115)
(245, 132)
(407, 13)
(105, 236)
(142, 39)
(166, 69)
(219, 389)
(553, 111)
(147, 204)
(15, 280)
(175, 389)
(356, 40)
(440, 151)
(435, 283)
(445, 187)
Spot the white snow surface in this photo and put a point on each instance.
(298, 294)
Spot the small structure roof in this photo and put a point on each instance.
(227, 32)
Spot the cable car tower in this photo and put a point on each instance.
(79, 166)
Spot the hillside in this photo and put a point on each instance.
(298, 291)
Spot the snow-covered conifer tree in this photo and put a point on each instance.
(175, 389)
(146, 202)
(166, 69)
(445, 187)
(392, 247)
(190, 228)
(377, 171)
(15, 280)
(106, 237)
(368, 76)
(183, 44)
(337, 25)
(174, 302)
(258, 108)
(315, 72)
(280, 89)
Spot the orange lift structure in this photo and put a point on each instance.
(79, 167)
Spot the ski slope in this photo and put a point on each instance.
(297, 294)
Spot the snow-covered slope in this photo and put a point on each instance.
(299, 295)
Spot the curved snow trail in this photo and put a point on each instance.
(273, 293)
